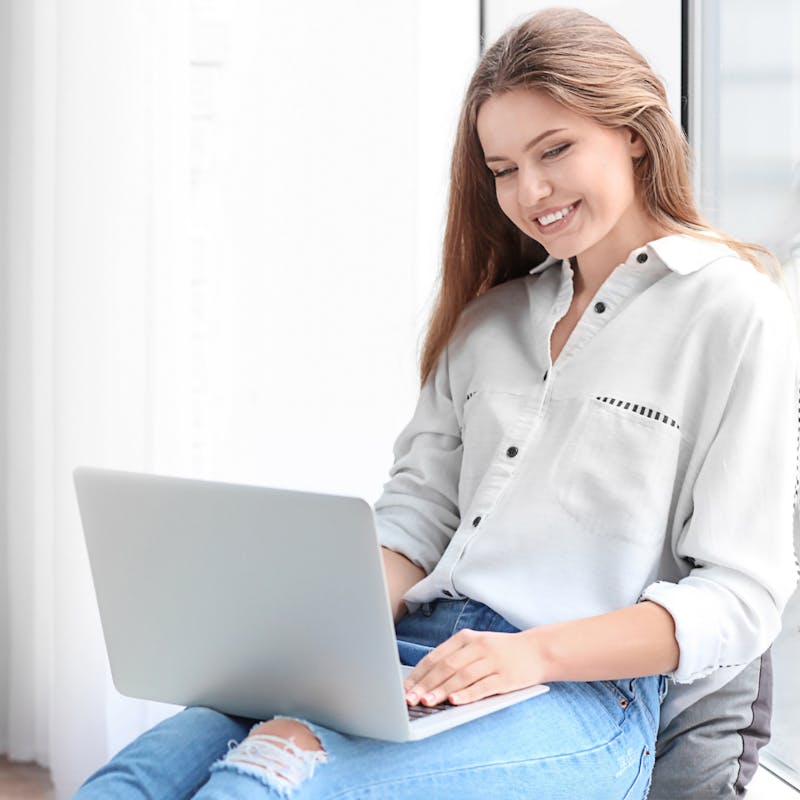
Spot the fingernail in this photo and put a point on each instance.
(411, 698)
(430, 699)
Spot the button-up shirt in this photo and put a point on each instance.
(654, 460)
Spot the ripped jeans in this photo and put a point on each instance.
(580, 740)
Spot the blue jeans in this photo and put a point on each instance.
(580, 740)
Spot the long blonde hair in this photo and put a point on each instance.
(586, 66)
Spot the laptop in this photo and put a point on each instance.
(251, 601)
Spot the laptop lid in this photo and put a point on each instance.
(249, 600)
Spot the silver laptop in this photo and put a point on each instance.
(251, 601)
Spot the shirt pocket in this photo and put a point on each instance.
(619, 469)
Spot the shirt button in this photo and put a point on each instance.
(600, 307)
(476, 522)
(641, 258)
(512, 451)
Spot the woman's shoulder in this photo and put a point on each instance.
(725, 283)
(748, 293)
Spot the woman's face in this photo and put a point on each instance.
(563, 179)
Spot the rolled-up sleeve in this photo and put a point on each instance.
(739, 538)
(417, 512)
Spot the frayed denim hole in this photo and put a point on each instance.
(274, 761)
(321, 734)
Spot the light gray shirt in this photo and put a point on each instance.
(655, 459)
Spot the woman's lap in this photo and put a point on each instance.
(579, 736)
(553, 746)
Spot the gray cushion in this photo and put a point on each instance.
(711, 749)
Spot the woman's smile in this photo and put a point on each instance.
(551, 222)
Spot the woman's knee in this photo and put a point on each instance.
(282, 753)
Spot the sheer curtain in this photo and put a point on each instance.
(78, 275)
(219, 228)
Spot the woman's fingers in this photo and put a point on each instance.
(486, 687)
(472, 665)
(453, 665)
(459, 681)
(445, 656)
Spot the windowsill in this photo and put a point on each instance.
(767, 786)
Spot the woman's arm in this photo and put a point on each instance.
(627, 643)
(401, 575)
(418, 511)
(634, 641)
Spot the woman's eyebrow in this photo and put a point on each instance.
(532, 143)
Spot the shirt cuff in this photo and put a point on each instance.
(420, 552)
(691, 609)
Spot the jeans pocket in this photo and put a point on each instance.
(615, 702)
(647, 693)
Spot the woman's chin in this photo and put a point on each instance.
(560, 253)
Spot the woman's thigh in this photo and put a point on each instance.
(578, 740)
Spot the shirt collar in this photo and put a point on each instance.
(548, 262)
(679, 252)
(684, 254)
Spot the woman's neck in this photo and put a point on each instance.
(592, 267)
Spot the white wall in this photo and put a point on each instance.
(319, 169)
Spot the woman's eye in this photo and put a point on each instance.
(556, 151)
(501, 173)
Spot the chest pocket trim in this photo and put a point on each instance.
(643, 410)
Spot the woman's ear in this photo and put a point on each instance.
(637, 147)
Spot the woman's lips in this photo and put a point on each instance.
(558, 224)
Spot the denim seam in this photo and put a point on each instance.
(633, 787)
(654, 723)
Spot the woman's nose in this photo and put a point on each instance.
(532, 188)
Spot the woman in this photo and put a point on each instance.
(596, 488)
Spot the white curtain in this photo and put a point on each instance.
(82, 130)
(218, 230)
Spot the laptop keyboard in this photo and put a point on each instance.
(415, 712)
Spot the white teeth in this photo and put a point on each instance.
(549, 219)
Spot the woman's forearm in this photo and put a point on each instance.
(401, 575)
(628, 643)
(634, 641)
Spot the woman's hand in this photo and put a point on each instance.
(475, 664)
(472, 665)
